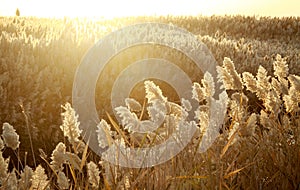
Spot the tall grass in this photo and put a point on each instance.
(258, 146)
(257, 149)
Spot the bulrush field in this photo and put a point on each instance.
(259, 69)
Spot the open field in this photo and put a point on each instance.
(259, 144)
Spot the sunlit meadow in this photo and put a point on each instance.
(258, 67)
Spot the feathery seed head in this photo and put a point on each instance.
(70, 126)
(93, 174)
(58, 157)
(10, 137)
(62, 180)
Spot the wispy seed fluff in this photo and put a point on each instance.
(1, 144)
(186, 104)
(263, 83)
(202, 114)
(62, 180)
(260, 85)
(25, 180)
(153, 92)
(133, 105)
(70, 126)
(272, 102)
(277, 86)
(58, 157)
(12, 182)
(238, 105)
(157, 107)
(104, 132)
(197, 92)
(233, 133)
(228, 75)
(295, 82)
(292, 100)
(93, 174)
(281, 69)
(3, 168)
(208, 85)
(249, 82)
(73, 160)
(208, 90)
(130, 120)
(39, 179)
(10, 137)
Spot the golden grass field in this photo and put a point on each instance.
(258, 146)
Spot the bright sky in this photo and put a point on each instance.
(115, 8)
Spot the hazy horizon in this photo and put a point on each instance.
(120, 8)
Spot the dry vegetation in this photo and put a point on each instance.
(258, 148)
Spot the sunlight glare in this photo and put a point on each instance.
(121, 8)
